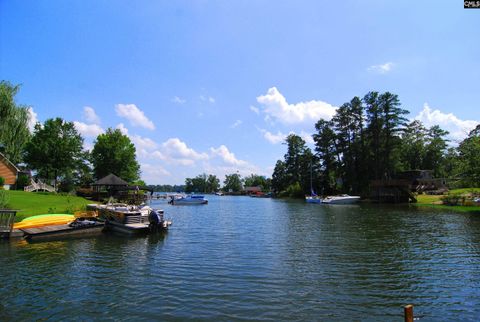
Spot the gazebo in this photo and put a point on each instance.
(110, 183)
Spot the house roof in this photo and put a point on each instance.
(111, 180)
(8, 162)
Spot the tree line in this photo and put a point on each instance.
(369, 139)
(234, 182)
(55, 148)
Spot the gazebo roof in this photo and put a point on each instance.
(111, 180)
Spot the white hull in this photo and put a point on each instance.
(341, 200)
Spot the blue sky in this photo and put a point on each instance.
(214, 86)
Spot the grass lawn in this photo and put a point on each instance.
(436, 202)
(37, 203)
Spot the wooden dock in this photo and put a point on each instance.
(63, 231)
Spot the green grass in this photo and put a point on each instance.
(435, 201)
(37, 203)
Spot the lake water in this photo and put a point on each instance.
(241, 258)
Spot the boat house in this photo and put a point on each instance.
(403, 187)
(8, 171)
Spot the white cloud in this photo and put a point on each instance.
(381, 69)
(178, 100)
(88, 130)
(177, 151)
(273, 138)
(153, 173)
(207, 99)
(458, 128)
(143, 143)
(276, 107)
(280, 137)
(254, 109)
(227, 156)
(90, 115)
(136, 116)
(122, 129)
(236, 124)
(32, 119)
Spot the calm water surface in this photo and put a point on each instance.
(241, 258)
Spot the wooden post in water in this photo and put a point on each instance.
(408, 312)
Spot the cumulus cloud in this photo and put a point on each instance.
(90, 116)
(273, 138)
(177, 151)
(154, 173)
(143, 143)
(280, 137)
(32, 119)
(122, 129)
(88, 130)
(275, 106)
(236, 124)
(178, 100)
(227, 156)
(458, 128)
(381, 69)
(136, 116)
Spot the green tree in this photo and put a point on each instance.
(436, 148)
(413, 146)
(213, 183)
(232, 182)
(393, 123)
(326, 152)
(55, 149)
(279, 177)
(14, 132)
(469, 152)
(255, 180)
(113, 152)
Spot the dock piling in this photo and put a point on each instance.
(408, 313)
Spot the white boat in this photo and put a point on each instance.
(341, 199)
(189, 200)
(132, 220)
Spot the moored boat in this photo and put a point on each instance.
(341, 200)
(189, 200)
(133, 220)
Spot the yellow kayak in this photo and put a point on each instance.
(44, 220)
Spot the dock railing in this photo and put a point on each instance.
(7, 218)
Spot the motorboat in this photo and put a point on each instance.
(189, 200)
(132, 220)
(341, 199)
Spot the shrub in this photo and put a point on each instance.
(3, 199)
(23, 180)
(453, 199)
(2, 181)
(294, 191)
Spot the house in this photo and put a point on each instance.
(8, 171)
(252, 190)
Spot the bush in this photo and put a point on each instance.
(453, 199)
(294, 191)
(3, 199)
(23, 180)
(2, 181)
(84, 192)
